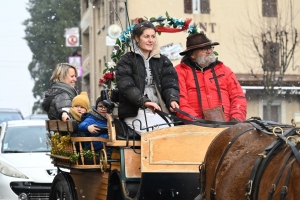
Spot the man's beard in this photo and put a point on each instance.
(206, 60)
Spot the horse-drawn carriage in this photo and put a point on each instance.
(165, 163)
(160, 164)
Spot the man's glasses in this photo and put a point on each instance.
(206, 49)
(101, 107)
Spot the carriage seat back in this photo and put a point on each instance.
(123, 131)
(70, 126)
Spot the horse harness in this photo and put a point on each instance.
(252, 186)
(265, 158)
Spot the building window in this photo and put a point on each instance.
(271, 56)
(269, 8)
(278, 109)
(196, 6)
(86, 43)
(113, 11)
(84, 5)
(275, 113)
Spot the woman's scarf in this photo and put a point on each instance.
(62, 85)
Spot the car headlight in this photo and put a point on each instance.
(11, 171)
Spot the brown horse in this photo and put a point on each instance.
(249, 161)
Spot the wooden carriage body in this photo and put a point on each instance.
(161, 164)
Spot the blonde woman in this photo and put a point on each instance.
(61, 93)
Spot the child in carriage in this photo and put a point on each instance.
(94, 124)
(80, 105)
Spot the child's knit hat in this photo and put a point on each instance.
(99, 99)
(82, 100)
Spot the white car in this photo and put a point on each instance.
(26, 171)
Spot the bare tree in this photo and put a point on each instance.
(273, 40)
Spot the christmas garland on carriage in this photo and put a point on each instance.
(123, 43)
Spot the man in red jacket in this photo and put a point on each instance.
(207, 85)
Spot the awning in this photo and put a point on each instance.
(284, 90)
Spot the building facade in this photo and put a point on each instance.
(243, 28)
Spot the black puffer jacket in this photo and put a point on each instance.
(130, 75)
(59, 96)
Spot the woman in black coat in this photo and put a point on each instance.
(146, 80)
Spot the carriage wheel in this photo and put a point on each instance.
(103, 160)
(63, 188)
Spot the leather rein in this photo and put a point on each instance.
(194, 120)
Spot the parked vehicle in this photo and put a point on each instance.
(26, 171)
(7, 114)
(37, 116)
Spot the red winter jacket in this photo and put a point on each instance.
(233, 97)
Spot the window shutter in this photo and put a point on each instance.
(264, 7)
(205, 8)
(188, 6)
(273, 8)
(269, 8)
(271, 56)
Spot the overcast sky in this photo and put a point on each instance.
(15, 81)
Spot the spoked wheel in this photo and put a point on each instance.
(103, 160)
(63, 188)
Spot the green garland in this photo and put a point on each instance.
(59, 143)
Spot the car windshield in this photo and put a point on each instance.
(25, 139)
(7, 116)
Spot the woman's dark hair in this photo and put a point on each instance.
(141, 26)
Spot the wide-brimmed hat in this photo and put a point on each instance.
(197, 41)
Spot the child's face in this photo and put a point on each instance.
(101, 109)
(79, 109)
